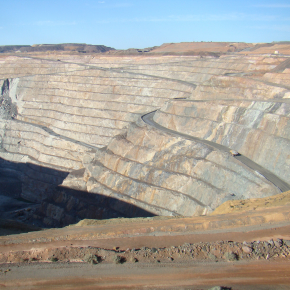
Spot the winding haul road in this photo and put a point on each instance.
(148, 119)
(282, 185)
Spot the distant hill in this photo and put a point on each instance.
(188, 48)
(77, 47)
(192, 48)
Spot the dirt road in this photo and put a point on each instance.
(282, 185)
(238, 275)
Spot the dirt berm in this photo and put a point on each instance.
(242, 245)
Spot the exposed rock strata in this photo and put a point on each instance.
(184, 177)
(253, 128)
(68, 110)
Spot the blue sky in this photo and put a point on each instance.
(126, 24)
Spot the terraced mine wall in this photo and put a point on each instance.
(31, 194)
(259, 130)
(77, 122)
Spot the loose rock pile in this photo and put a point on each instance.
(219, 251)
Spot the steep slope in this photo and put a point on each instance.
(80, 113)
(184, 177)
(256, 129)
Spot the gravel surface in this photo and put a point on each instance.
(199, 252)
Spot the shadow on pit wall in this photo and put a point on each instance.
(31, 195)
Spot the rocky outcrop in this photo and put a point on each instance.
(171, 175)
(8, 108)
(257, 129)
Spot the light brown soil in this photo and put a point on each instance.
(231, 206)
(241, 251)
(234, 275)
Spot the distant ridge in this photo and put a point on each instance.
(74, 47)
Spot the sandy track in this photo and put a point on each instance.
(238, 275)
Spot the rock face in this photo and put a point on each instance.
(81, 115)
(170, 175)
(8, 109)
(257, 129)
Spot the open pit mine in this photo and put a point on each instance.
(175, 131)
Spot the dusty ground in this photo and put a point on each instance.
(217, 251)
(238, 251)
(240, 275)
(231, 206)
